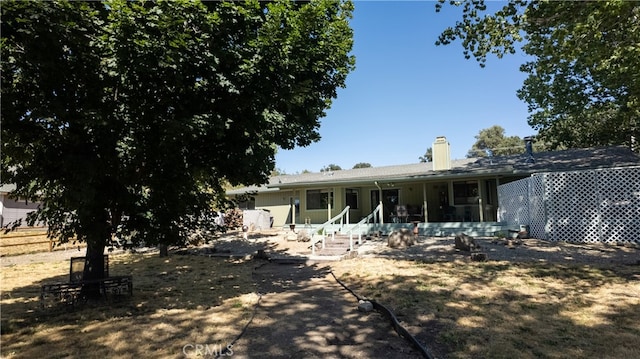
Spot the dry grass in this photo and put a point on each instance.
(177, 301)
(458, 309)
(508, 310)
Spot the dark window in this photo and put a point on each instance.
(318, 199)
(351, 198)
(465, 192)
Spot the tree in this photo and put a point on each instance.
(492, 142)
(331, 167)
(583, 87)
(127, 118)
(362, 165)
(428, 155)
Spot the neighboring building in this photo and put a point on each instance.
(442, 191)
(11, 209)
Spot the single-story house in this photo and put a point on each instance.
(456, 194)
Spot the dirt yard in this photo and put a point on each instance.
(529, 300)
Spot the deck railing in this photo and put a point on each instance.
(375, 215)
(320, 233)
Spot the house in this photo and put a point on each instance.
(11, 209)
(445, 194)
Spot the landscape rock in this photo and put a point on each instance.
(303, 236)
(465, 243)
(478, 257)
(365, 306)
(401, 238)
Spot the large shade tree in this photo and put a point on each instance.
(127, 118)
(583, 87)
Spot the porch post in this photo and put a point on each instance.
(292, 208)
(381, 213)
(424, 202)
(329, 197)
(480, 206)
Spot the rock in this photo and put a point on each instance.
(465, 243)
(401, 238)
(291, 236)
(303, 236)
(365, 306)
(478, 257)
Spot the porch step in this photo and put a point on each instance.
(338, 246)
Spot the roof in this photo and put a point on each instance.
(518, 165)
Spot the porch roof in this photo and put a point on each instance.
(515, 165)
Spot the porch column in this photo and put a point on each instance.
(480, 206)
(292, 204)
(329, 198)
(424, 202)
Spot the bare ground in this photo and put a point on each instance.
(287, 310)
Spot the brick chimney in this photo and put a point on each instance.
(441, 154)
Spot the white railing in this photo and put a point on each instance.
(375, 215)
(322, 230)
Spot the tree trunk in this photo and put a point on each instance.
(164, 250)
(93, 269)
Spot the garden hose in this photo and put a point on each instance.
(402, 332)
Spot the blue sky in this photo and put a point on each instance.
(405, 91)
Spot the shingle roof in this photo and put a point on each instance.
(552, 161)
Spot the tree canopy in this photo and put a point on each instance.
(330, 167)
(428, 155)
(129, 117)
(492, 142)
(362, 165)
(583, 87)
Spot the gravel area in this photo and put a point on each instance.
(275, 244)
(526, 250)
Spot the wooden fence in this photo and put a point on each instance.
(29, 240)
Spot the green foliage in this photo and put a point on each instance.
(362, 165)
(428, 155)
(583, 87)
(129, 117)
(331, 167)
(492, 142)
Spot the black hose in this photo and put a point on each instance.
(229, 346)
(402, 332)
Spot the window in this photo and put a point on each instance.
(318, 199)
(351, 198)
(465, 192)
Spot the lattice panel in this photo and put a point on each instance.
(619, 204)
(581, 206)
(513, 200)
(571, 211)
(537, 213)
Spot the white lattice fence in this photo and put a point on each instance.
(513, 198)
(571, 202)
(537, 211)
(580, 206)
(619, 200)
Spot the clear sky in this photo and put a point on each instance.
(406, 91)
